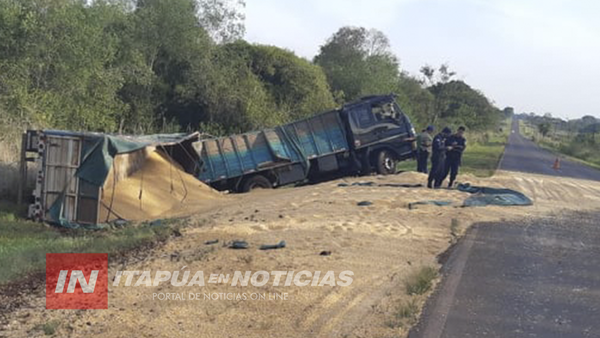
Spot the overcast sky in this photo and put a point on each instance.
(535, 55)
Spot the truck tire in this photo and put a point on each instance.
(385, 163)
(256, 182)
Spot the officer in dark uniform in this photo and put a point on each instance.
(438, 158)
(458, 144)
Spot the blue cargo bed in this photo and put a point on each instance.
(296, 142)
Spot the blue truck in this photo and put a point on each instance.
(368, 135)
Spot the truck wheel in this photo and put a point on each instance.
(256, 182)
(386, 163)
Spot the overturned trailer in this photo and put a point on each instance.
(74, 167)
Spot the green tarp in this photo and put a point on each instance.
(483, 196)
(97, 157)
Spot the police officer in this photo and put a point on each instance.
(438, 158)
(458, 144)
(424, 141)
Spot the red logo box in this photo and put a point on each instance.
(76, 281)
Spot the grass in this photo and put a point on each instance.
(416, 285)
(421, 281)
(24, 244)
(48, 328)
(405, 308)
(10, 212)
(483, 153)
(405, 314)
(525, 129)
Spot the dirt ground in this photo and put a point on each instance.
(382, 244)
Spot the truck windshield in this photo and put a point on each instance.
(387, 112)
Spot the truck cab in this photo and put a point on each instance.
(379, 133)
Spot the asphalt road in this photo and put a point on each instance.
(521, 154)
(537, 279)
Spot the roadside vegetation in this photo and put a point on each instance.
(24, 244)
(417, 286)
(577, 139)
(404, 315)
(49, 328)
(421, 281)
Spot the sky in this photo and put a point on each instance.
(533, 55)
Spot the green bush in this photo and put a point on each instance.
(421, 281)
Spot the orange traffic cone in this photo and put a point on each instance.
(556, 165)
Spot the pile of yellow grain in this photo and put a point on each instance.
(148, 184)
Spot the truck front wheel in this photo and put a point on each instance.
(385, 163)
(256, 182)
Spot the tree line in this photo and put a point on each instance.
(144, 66)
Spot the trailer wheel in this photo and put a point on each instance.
(386, 163)
(256, 182)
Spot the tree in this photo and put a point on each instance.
(544, 128)
(165, 42)
(116, 65)
(222, 19)
(428, 75)
(588, 120)
(455, 102)
(445, 73)
(358, 62)
(298, 87)
(458, 103)
(508, 111)
(255, 86)
(416, 102)
(432, 77)
(58, 63)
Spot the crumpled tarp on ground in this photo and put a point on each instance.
(484, 196)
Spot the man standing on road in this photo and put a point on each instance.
(438, 158)
(424, 141)
(458, 144)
